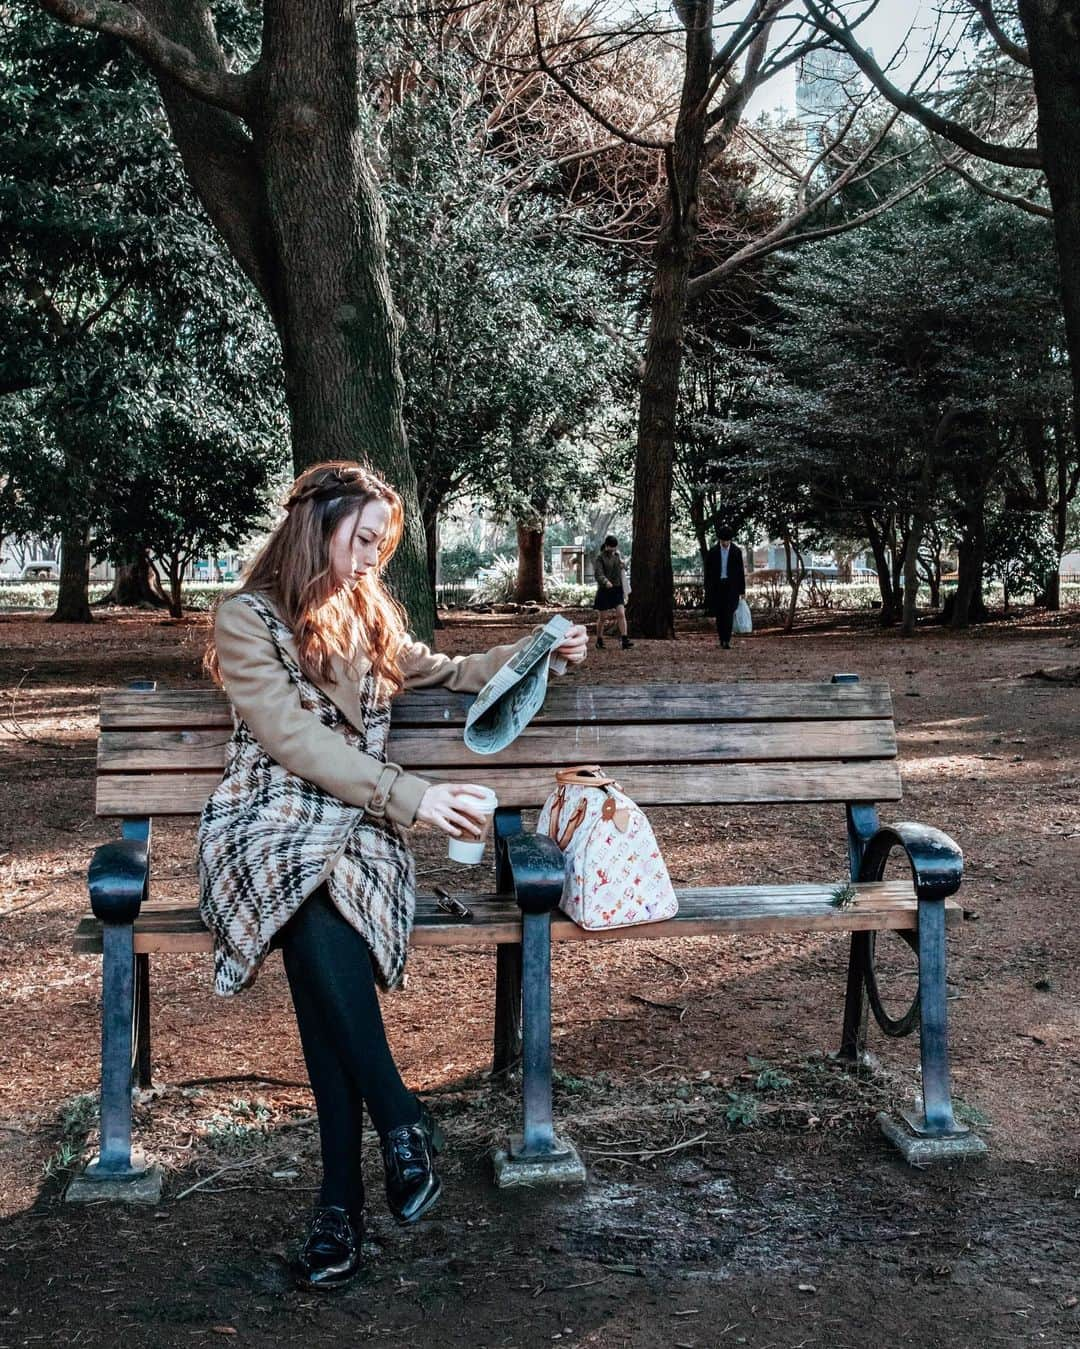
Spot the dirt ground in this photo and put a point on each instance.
(739, 1190)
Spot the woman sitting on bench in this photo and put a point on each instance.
(300, 846)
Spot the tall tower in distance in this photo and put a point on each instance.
(827, 83)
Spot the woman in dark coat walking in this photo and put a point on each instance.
(300, 846)
(610, 572)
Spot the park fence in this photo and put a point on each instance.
(767, 597)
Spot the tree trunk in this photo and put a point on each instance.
(652, 606)
(1053, 42)
(431, 543)
(530, 573)
(176, 587)
(968, 604)
(884, 572)
(794, 579)
(911, 576)
(332, 302)
(135, 585)
(935, 580)
(431, 548)
(896, 560)
(288, 186)
(699, 524)
(73, 599)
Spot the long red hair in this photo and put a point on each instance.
(293, 569)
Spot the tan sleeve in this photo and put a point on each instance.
(264, 696)
(426, 669)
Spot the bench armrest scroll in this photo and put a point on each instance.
(117, 880)
(937, 864)
(537, 868)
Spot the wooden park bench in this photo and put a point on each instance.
(161, 752)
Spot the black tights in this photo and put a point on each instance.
(349, 1063)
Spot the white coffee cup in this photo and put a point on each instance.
(469, 849)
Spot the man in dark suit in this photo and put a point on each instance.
(725, 582)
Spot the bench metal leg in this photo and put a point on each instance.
(537, 1156)
(932, 1134)
(853, 1035)
(507, 1049)
(862, 824)
(142, 1021)
(118, 1171)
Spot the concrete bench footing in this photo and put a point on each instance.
(142, 1186)
(562, 1166)
(919, 1150)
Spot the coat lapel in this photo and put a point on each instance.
(345, 693)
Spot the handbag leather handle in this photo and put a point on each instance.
(587, 775)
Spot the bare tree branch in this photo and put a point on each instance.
(786, 233)
(573, 94)
(103, 308)
(985, 11)
(40, 298)
(1017, 157)
(727, 116)
(1011, 198)
(219, 87)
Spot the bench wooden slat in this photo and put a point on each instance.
(528, 788)
(436, 747)
(753, 700)
(177, 927)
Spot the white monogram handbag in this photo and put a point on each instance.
(615, 876)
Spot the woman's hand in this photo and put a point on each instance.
(575, 645)
(453, 807)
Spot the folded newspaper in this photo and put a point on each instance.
(515, 693)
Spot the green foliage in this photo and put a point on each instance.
(43, 594)
(462, 562)
(906, 370)
(498, 584)
(78, 1116)
(143, 399)
(1020, 552)
(742, 1110)
(844, 896)
(508, 374)
(239, 1128)
(768, 1078)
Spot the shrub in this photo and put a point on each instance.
(498, 582)
(42, 594)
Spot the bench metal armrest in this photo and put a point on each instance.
(537, 868)
(937, 864)
(117, 880)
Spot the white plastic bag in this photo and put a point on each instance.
(743, 623)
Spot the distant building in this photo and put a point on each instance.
(828, 82)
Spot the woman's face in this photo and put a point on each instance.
(356, 541)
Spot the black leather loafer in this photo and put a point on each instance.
(331, 1253)
(412, 1185)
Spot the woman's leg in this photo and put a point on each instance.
(339, 1106)
(600, 625)
(620, 614)
(331, 964)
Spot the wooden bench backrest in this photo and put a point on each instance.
(162, 752)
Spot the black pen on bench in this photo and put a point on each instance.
(448, 904)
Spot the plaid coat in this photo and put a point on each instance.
(268, 838)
